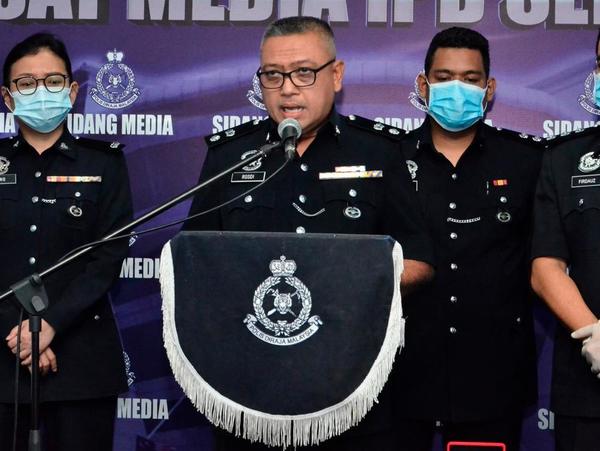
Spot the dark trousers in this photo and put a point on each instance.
(375, 442)
(417, 435)
(85, 425)
(576, 433)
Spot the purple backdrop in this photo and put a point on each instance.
(157, 75)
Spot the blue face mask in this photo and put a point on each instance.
(455, 105)
(597, 89)
(43, 111)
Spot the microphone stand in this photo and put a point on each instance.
(31, 293)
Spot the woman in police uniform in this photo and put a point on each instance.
(58, 192)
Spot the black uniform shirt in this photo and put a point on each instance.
(469, 340)
(73, 193)
(302, 199)
(567, 226)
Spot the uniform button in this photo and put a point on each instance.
(37, 174)
(248, 199)
(352, 193)
(518, 320)
(32, 260)
(453, 299)
(454, 176)
(453, 235)
(302, 198)
(453, 330)
(33, 228)
(300, 229)
(35, 199)
(453, 266)
(304, 167)
(503, 199)
(452, 206)
(77, 194)
(96, 317)
(580, 202)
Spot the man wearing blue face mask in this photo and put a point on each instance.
(58, 192)
(468, 368)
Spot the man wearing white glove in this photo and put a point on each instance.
(591, 345)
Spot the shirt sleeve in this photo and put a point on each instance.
(403, 218)
(548, 234)
(102, 265)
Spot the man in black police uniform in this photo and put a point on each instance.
(320, 190)
(567, 234)
(56, 193)
(469, 361)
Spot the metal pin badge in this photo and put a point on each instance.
(352, 212)
(75, 211)
(504, 216)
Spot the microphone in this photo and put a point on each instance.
(289, 130)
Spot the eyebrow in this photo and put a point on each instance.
(300, 63)
(449, 72)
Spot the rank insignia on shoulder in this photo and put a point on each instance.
(374, 126)
(115, 145)
(232, 133)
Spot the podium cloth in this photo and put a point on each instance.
(281, 338)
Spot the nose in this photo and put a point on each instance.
(288, 88)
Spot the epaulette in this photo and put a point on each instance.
(555, 140)
(99, 144)
(231, 133)
(375, 127)
(532, 140)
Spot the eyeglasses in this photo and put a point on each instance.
(28, 85)
(301, 77)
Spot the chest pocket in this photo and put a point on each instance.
(355, 203)
(9, 197)
(77, 204)
(504, 208)
(253, 211)
(581, 218)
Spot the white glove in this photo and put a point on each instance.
(591, 345)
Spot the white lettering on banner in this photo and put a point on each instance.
(407, 123)
(140, 268)
(460, 11)
(221, 122)
(545, 419)
(561, 127)
(46, 9)
(143, 408)
(131, 124)
(7, 123)
(147, 124)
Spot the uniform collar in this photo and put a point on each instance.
(332, 125)
(65, 145)
(424, 140)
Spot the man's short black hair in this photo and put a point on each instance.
(31, 46)
(459, 38)
(597, 42)
(300, 25)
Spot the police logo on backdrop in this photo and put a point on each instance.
(415, 98)
(587, 100)
(254, 95)
(288, 312)
(115, 83)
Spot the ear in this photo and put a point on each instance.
(74, 92)
(8, 100)
(338, 75)
(490, 90)
(422, 85)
